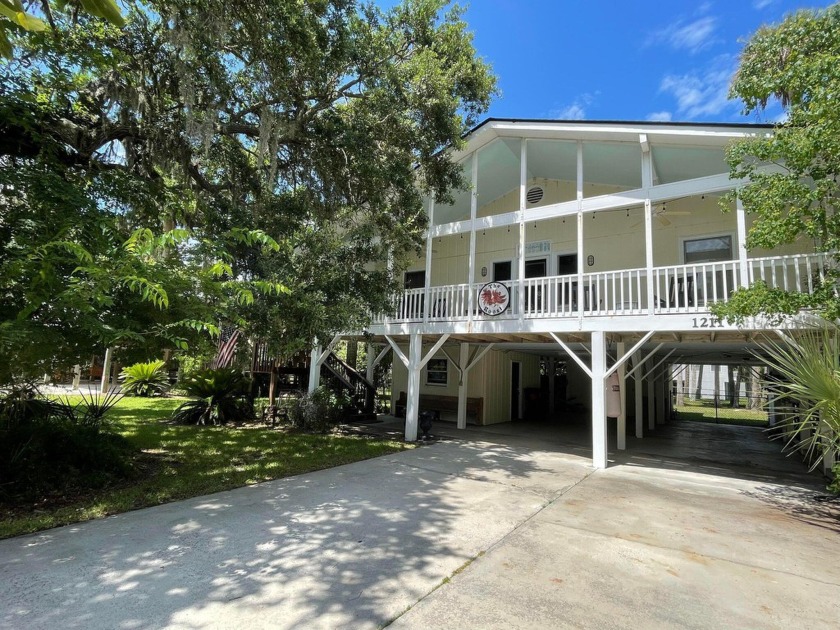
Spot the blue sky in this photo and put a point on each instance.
(620, 59)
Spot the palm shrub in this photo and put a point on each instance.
(805, 391)
(49, 446)
(145, 379)
(218, 396)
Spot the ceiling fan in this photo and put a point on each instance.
(661, 214)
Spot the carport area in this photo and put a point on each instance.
(728, 450)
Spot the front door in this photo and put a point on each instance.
(515, 391)
(535, 268)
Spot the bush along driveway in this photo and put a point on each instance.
(172, 462)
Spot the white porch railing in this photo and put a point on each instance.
(676, 289)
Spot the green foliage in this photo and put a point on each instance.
(177, 462)
(805, 390)
(50, 446)
(218, 397)
(774, 305)
(796, 62)
(145, 379)
(212, 161)
(319, 411)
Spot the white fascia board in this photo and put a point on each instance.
(672, 322)
(627, 199)
(616, 132)
(691, 187)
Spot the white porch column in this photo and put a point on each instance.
(599, 408)
(412, 408)
(649, 256)
(742, 243)
(647, 183)
(314, 368)
(106, 373)
(463, 360)
(552, 367)
(427, 278)
(580, 252)
(621, 421)
(520, 257)
(637, 384)
(473, 212)
(651, 403)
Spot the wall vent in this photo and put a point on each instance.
(535, 194)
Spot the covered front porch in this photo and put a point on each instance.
(687, 288)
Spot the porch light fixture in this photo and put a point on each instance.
(483, 271)
(590, 260)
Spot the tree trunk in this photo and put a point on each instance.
(732, 393)
(738, 374)
(698, 392)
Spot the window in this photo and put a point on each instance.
(567, 264)
(437, 372)
(502, 271)
(415, 279)
(711, 249)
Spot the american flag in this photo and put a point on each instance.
(227, 347)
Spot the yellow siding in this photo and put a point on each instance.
(490, 379)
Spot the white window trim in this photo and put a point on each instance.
(426, 370)
(514, 268)
(699, 237)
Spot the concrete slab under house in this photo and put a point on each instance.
(576, 275)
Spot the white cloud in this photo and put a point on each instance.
(664, 116)
(693, 36)
(758, 5)
(576, 110)
(702, 92)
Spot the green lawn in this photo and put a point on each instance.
(704, 411)
(178, 462)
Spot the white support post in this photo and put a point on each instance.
(473, 212)
(463, 360)
(412, 408)
(77, 376)
(520, 259)
(742, 243)
(552, 362)
(651, 403)
(637, 383)
(599, 408)
(427, 278)
(622, 383)
(105, 386)
(580, 252)
(315, 367)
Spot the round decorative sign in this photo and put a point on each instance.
(493, 298)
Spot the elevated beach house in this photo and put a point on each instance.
(586, 254)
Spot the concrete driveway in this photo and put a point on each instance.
(474, 533)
